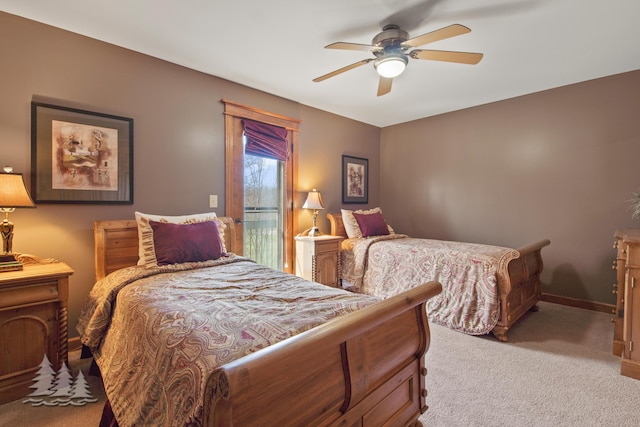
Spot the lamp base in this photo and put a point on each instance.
(314, 231)
(8, 262)
(311, 232)
(8, 258)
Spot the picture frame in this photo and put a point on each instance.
(355, 180)
(80, 156)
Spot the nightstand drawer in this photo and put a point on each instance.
(22, 295)
(328, 246)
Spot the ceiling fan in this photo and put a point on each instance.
(392, 49)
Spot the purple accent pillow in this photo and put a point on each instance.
(371, 224)
(177, 243)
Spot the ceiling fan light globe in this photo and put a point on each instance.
(391, 67)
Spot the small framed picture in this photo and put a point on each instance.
(355, 175)
(80, 156)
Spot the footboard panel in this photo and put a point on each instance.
(397, 402)
(365, 368)
(519, 288)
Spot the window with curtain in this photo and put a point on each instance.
(272, 151)
(265, 151)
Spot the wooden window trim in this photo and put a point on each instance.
(234, 201)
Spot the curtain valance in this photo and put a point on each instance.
(265, 140)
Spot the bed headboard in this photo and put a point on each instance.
(337, 226)
(116, 243)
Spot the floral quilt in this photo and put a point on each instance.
(156, 334)
(387, 265)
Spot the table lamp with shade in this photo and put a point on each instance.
(13, 194)
(314, 201)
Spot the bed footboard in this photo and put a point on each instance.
(365, 368)
(518, 281)
(519, 287)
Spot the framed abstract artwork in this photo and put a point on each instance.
(355, 175)
(80, 156)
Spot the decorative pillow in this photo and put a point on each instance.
(146, 251)
(371, 224)
(178, 243)
(351, 226)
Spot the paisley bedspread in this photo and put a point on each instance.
(387, 265)
(156, 334)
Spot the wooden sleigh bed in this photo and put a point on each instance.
(363, 368)
(518, 279)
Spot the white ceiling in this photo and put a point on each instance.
(277, 46)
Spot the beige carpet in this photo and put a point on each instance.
(556, 370)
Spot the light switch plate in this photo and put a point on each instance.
(213, 201)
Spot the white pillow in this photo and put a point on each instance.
(146, 250)
(351, 225)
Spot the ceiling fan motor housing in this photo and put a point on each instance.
(390, 33)
(391, 58)
(390, 39)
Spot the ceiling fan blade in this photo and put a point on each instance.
(441, 34)
(353, 46)
(447, 56)
(342, 70)
(384, 86)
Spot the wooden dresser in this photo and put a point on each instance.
(626, 339)
(33, 322)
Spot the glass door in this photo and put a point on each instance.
(263, 210)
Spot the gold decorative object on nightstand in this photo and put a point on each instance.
(33, 322)
(318, 259)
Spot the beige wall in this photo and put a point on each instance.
(327, 137)
(559, 164)
(178, 136)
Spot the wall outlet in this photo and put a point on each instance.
(213, 201)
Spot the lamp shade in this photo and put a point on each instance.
(13, 193)
(314, 201)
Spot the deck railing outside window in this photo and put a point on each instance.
(262, 236)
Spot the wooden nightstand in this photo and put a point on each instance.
(318, 259)
(33, 321)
